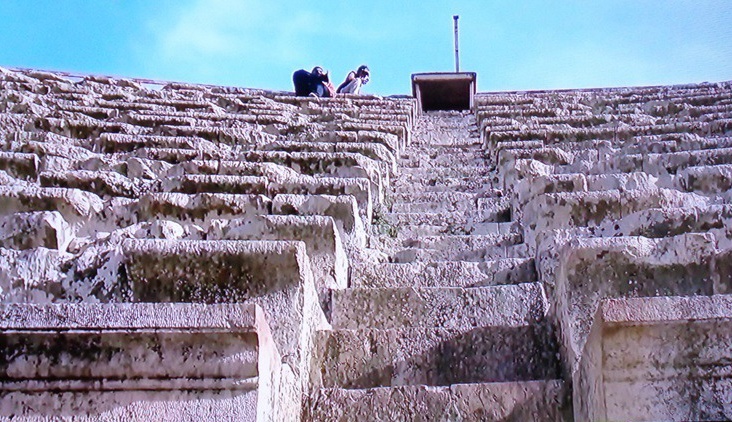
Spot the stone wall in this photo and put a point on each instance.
(139, 223)
(623, 195)
(192, 252)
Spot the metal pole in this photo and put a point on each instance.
(457, 56)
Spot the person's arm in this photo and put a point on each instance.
(351, 76)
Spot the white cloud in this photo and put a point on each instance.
(210, 31)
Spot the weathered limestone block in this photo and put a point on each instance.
(116, 142)
(30, 230)
(446, 307)
(151, 121)
(111, 361)
(274, 274)
(328, 259)
(510, 175)
(231, 168)
(446, 273)
(146, 169)
(358, 188)
(547, 155)
(74, 205)
(706, 179)
(370, 358)
(20, 165)
(658, 222)
(661, 358)
(376, 152)
(83, 127)
(517, 145)
(450, 241)
(31, 275)
(529, 188)
(466, 222)
(592, 269)
(487, 253)
(672, 162)
(199, 207)
(577, 209)
(395, 141)
(103, 183)
(217, 183)
(342, 208)
(59, 147)
(487, 401)
(327, 164)
(175, 155)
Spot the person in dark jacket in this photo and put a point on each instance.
(315, 83)
(355, 80)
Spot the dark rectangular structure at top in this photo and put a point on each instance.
(444, 91)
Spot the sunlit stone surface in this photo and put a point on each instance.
(190, 252)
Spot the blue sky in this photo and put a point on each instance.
(512, 45)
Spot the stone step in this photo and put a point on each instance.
(415, 231)
(442, 172)
(319, 233)
(445, 273)
(682, 342)
(441, 197)
(117, 142)
(433, 356)
(74, 204)
(468, 203)
(440, 158)
(457, 222)
(577, 209)
(445, 242)
(434, 202)
(376, 152)
(504, 401)
(90, 360)
(444, 307)
(460, 184)
(109, 183)
(360, 188)
(198, 207)
(274, 274)
(472, 255)
(20, 165)
(475, 229)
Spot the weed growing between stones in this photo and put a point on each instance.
(380, 225)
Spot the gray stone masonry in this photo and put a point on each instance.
(190, 252)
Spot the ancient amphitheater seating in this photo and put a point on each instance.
(642, 216)
(186, 360)
(152, 200)
(626, 333)
(191, 252)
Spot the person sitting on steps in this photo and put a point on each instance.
(354, 81)
(314, 84)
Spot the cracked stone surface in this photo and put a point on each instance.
(195, 252)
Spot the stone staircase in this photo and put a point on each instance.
(448, 326)
(189, 252)
(168, 251)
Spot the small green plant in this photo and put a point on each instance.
(380, 225)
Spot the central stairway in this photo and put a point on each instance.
(450, 323)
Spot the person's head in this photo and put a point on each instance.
(363, 73)
(320, 73)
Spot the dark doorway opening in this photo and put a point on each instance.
(444, 91)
